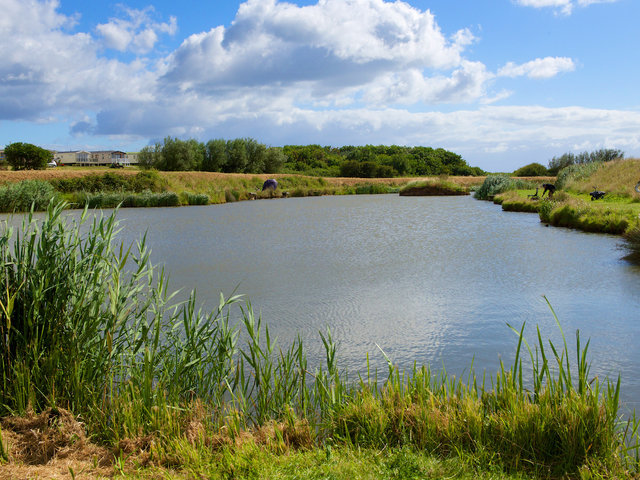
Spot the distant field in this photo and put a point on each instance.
(7, 176)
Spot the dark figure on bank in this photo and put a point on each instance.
(596, 194)
(548, 187)
(271, 183)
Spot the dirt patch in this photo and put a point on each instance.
(51, 445)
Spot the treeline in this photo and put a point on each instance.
(371, 161)
(242, 155)
(246, 155)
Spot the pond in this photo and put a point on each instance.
(432, 280)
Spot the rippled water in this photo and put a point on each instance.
(428, 279)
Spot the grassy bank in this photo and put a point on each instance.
(99, 363)
(618, 212)
(132, 188)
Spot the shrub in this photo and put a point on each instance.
(495, 184)
(19, 197)
(198, 199)
(148, 180)
(532, 170)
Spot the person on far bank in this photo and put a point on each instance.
(548, 187)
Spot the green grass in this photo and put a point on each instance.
(88, 325)
(253, 462)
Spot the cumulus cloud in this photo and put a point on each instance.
(563, 6)
(138, 32)
(539, 68)
(330, 46)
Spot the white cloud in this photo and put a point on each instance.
(138, 33)
(539, 68)
(562, 6)
(330, 46)
(46, 72)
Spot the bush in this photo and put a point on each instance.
(19, 197)
(197, 199)
(495, 184)
(532, 170)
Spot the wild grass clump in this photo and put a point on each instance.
(114, 199)
(197, 199)
(433, 187)
(495, 184)
(89, 326)
(21, 196)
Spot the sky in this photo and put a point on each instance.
(501, 82)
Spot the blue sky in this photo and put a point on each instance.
(503, 83)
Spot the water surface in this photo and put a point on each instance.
(432, 280)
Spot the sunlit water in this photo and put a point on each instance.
(432, 280)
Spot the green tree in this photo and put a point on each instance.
(215, 157)
(149, 156)
(274, 160)
(181, 155)
(236, 156)
(26, 156)
(256, 153)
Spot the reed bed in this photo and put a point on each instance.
(89, 326)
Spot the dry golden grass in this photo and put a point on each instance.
(10, 176)
(199, 180)
(618, 178)
(51, 445)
